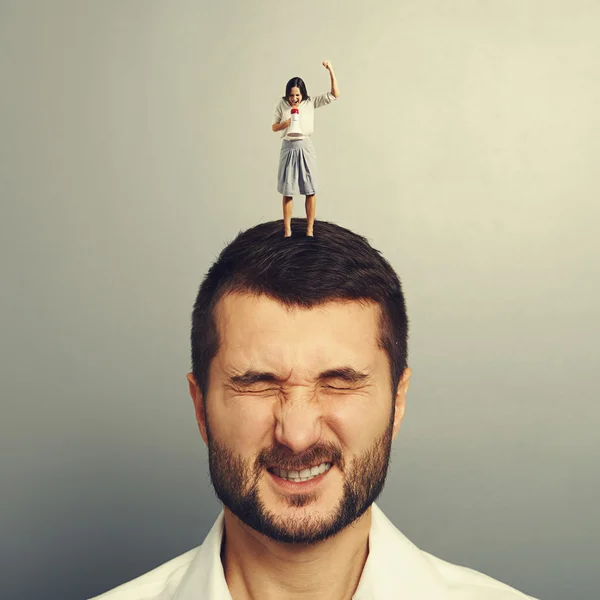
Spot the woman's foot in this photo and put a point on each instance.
(309, 233)
(287, 234)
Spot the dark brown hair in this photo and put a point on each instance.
(296, 82)
(301, 271)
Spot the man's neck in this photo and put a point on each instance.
(258, 568)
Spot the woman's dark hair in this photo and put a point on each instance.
(299, 83)
(300, 271)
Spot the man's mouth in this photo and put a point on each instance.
(304, 475)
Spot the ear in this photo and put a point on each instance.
(400, 400)
(198, 400)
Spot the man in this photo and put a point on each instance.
(299, 382)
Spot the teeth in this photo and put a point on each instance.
(303, 475)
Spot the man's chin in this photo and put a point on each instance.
(311, 513)
(297, 529)
(296, 520)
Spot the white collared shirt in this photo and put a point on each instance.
(306, 112)
(395, 570)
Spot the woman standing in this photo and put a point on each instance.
(298, 159)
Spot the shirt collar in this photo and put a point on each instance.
(395, 568)
(205, 574)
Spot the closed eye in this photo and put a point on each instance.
(339, 387)
(255, 390)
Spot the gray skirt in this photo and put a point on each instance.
(297, 168)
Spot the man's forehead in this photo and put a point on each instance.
(249, 339)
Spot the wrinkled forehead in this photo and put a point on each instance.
(256, 327)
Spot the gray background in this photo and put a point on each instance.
(135, 142)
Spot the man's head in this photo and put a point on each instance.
(299, 351)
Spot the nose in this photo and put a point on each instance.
(299, 424)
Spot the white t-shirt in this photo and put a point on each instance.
(306, 111)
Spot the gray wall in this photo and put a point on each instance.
(135, 140)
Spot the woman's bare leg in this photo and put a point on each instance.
(311, 202)
(288, 203)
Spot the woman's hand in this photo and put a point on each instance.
(281, 126)
(328, 65)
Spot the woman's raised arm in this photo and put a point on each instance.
(334, 86)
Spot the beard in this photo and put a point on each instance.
(236, 484)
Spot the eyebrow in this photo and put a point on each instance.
(348, 374)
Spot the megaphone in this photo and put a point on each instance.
(294, 128)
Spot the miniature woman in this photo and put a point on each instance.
(298, 160)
